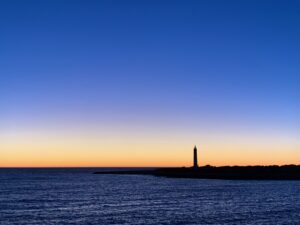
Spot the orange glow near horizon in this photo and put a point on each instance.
(41, 151)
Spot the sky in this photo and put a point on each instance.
(139, 83)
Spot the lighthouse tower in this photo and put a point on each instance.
(195, 158)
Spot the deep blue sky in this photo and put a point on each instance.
(185, 65)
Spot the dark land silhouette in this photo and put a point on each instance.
(286, 172)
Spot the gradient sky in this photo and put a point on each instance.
(139, 83)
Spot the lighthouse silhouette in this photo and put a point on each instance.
(195, 158)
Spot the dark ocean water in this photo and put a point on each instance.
(76, 196)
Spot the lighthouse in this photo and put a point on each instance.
(195, 158)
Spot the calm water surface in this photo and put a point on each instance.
(76, 196)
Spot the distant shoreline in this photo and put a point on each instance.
(286, 172)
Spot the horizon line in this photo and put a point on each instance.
(90, 167)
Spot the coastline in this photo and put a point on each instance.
(286, 172)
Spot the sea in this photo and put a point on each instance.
(77, 196)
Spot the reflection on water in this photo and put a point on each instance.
(76, 196)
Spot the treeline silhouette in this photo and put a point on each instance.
(286, 172)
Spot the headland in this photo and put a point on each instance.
(286, 172)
